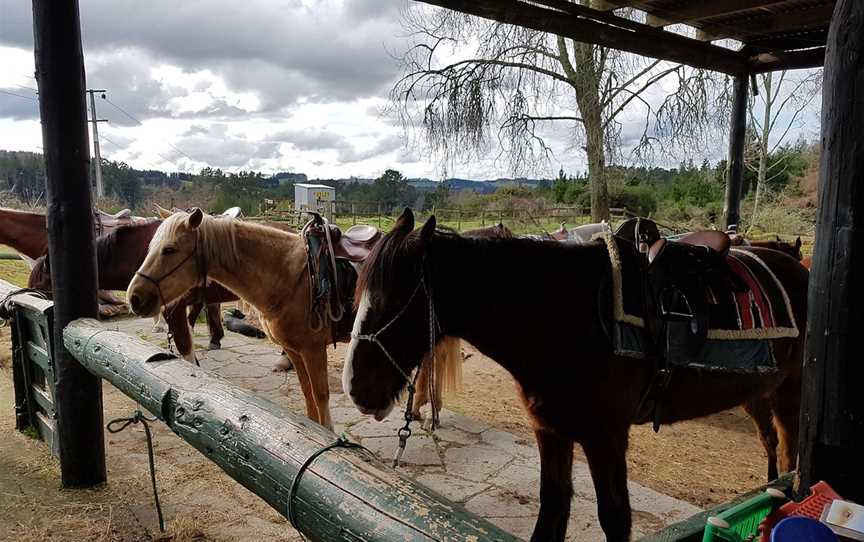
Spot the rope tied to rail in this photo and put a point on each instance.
(6, 302)
(341, 442)
(119, 424)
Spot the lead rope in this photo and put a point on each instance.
(123, 423)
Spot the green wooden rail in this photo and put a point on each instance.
(346, 494)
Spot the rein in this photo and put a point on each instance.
(405, 432)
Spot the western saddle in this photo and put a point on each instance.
(332, 258)
(675, 277)
(106, 222)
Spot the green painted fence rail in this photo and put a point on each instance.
(345, 494)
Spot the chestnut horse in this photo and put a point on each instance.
(533, 308)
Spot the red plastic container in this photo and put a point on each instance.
(821, 495)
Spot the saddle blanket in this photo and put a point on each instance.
(740, 324)
(763, 312)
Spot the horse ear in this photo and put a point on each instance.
(405, 222)
(195, 218)
(798, 243)
(428, 229)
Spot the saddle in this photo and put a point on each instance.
(332, 258)
(107, 222)
(677, 276)
(354, 244)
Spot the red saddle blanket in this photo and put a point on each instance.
(762, 312)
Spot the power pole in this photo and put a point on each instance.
(100, 189)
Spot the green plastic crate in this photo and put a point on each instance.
(741, 523)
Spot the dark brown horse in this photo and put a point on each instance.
(119, 254)
(792, 249)
(532, 307)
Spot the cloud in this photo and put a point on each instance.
(324, 50)
(383, 146)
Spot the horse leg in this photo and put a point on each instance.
(786, 403)
(194, 310)
(606, 456)
(179, 329)
(316, 367)
(305, 384)
(556, 486)
(159, 324)
(759, 410)
(214, 324)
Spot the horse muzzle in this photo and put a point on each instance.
(143, 304)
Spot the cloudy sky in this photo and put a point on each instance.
(270, 85)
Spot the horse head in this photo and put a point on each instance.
(391, 332)
(173, 264)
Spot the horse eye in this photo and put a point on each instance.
(167, 251)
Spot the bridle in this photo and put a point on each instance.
(434, 326)
(200, 265)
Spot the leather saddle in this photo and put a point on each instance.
(332, 256)
(677, 276)
(107, 222)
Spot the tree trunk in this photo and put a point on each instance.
(597, 170)
(762, 173)
(584, 77)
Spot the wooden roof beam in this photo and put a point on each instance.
(574, 21)
(700, 10)
(794, 60)
(799, 20)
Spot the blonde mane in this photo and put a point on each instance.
(217, 239)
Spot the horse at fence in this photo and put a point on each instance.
(119, 254)
(549, 334)
(27, 233)
(191, 246)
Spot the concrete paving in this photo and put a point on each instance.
(491, 472)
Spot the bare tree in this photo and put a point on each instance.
(782, 98)
(467, 78)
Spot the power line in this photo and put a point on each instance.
(134, 119)
(31, 98)
(119, 147)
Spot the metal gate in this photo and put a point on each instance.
(32, 323)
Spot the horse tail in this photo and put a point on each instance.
(448, 361)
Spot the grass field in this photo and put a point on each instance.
(15, 271)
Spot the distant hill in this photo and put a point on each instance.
(481, 187)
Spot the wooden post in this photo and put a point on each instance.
(459, 220)
(346, 494)
(379, 215)
(483, 218)
(737, 134)
(832, 408)
(60, 76)
(353, 215)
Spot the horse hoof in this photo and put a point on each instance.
(283, 366)
(214, 346)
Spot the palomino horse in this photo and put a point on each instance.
(119, 253)
(532, 307)
(235, 252)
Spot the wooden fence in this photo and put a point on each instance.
(344, 494)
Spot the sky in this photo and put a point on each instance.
(267, 85)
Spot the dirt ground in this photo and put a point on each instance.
(199, 501)
(705, 462)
